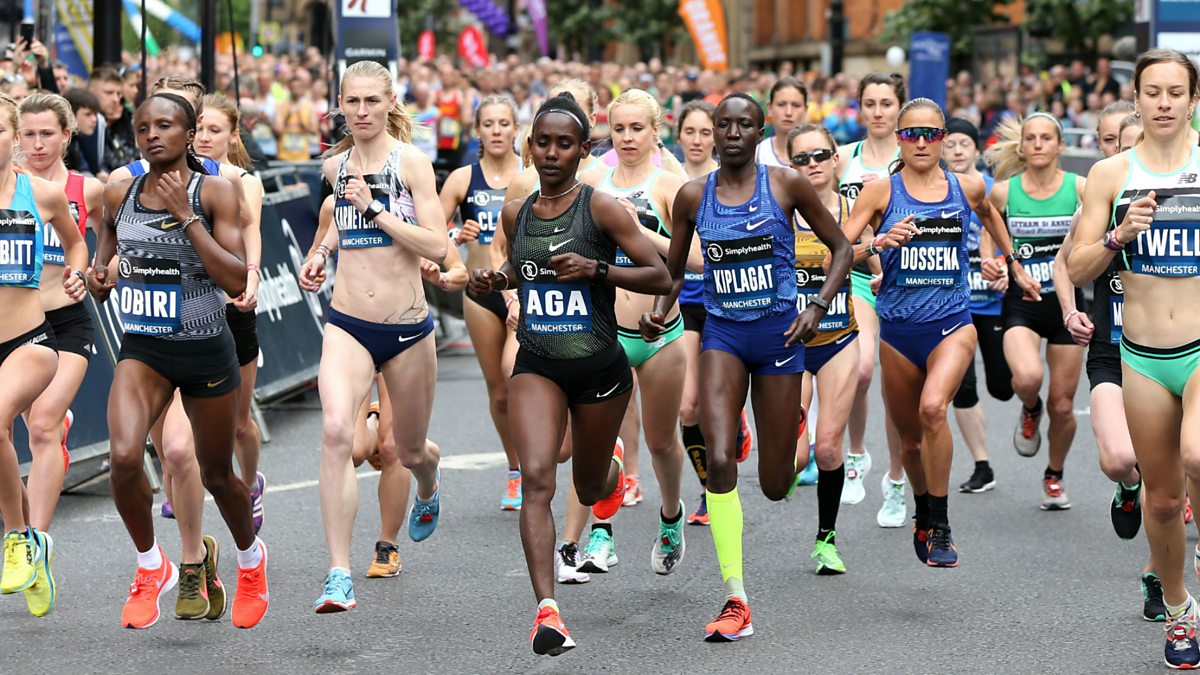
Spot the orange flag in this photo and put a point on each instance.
(705, 20)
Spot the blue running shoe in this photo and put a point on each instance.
(338, 595)
(941, 547)
(921, 542)
(809, 475)
(511, 501)
(423, 518)
(1182, 651)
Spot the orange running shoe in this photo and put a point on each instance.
(549, 635)
(1187, 509)
(607, 508)
(511, 501)
(745, 440)
(733, 623)
(633, 491)
(68, 420)
(141, 607)
(251, 599)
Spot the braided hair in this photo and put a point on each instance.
(189, 115)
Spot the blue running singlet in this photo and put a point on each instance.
(483, 204)
(21, 247)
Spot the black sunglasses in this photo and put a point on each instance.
(803, 158)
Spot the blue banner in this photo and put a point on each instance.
(929, 56)
(1175, 24)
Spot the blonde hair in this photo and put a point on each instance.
(494, 99)
(642, 99)
(237, 151)
(1005, 156)
(399, 122)
(41, 101)
(9, 107)
(177, 83)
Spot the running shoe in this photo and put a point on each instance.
(826, 553)
(942, 552)
(857, 467)
(600, 552)
(252, 598)
(141, 607)
(1027, 437)
(167, 511)
(423, 517)
(40, 597)
(920, 541)
(607, 508)
(256, 501)
(217, 601)
(68, 420)
(21, 558)
(566, 565)
(633, 491)
(1187, 509)
(668, 550)
(511, 501)
(808, 475)
(338, 595)
(549, 636)
(893, 511)
(1154, 608)
(733, 623)
(700, 515)
(386, 562)
(1182, 651)
(1054, 495)
(1196, 559)
(192, 601)
(745, 439)
(1126, 510)
(981, 480)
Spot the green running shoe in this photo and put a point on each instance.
(192, 602)
(216, 591)
(826, 554)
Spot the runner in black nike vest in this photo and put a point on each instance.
(180, 245)
(1038, 200)
(562, 251)
(387, 220)
(753, 337)
(921, 214)
(28, 349)
(476, 192)
(1141, 208)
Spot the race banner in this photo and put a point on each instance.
(472, 47)
(426, 46)
(705, 21)
(73, 36)
(929, 56)
(366, 31)
(537, 16)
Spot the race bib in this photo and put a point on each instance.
(52, 248)
(837, 317)
(1038, 261)
(931, 258)
(149, 295)
(353, 230)
(1116, 307)
(488, 204)
(1171, 247)
(18, 248)
(743, 272)
(560, 309)
(693, 277)
(622, 258)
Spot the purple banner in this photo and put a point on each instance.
(537, 14)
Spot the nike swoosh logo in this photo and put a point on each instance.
(752, 209)
(951, 215)
(842, 339)
(754, 226)
(610, 391)
(406, 339)
(997, 329)
(214, 385)
(559, 230)
(555, 247)
(780, 364)
(167, 224)
(947, 331)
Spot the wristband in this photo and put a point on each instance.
(81, 277)
(1010, 259)
(188, 221)
(1067, 318)
(505, 281)
(1111, 242)
(251, 267)
(509, 300)
(819, 302)
(323, 250)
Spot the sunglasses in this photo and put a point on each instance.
(803, 158)
(928, 134)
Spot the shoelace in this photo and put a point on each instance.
(424, 511)
(1028, 424)
(189, 583)
(731, 610)
(596, 544)
(333, 584)
(940, 538)
(670, 536)
(11, 553)
(383, 554)
(141, 584)
(1181, 631)
(568, 553)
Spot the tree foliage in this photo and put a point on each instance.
(651, 24)
(956, 18)
(1078, 24)
(582, 24)
(415, 16)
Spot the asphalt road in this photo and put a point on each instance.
(1036, 591)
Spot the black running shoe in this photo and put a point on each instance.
(921, 541)
(981, 480)
(1154, 608)
(1126, 510)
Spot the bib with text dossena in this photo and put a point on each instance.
(1116, 309)
(743, 272)
(1171, 247)
(353, 229)
(931, 258)
(837, 317)
(18, 248)
(488, 204)
(554, 308)
(150, 295)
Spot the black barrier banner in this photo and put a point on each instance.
(290, 326)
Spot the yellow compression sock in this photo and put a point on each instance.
(725, 523)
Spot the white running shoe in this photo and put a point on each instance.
(599, 554)
(857, 467)
(566, 565)
(893, 511)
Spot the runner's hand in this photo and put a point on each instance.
(569, 267)
(900, 234)
(482, 283)
(1032, 287)
(75, 287)
(312, 274)
(652, 325)
(805, 326)
(1081, 328)
(514, 314)
(249, 300)
(1138, 218)
(98, 282)
(357, 193)
(468, 232)
(174, 195)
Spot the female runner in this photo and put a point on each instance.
(787, 105)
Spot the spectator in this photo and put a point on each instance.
(296, 123)
(116, 120)
(86, 107)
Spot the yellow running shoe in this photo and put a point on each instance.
(216, 590)
(40, 597)
(20, 561)
(386, 562)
